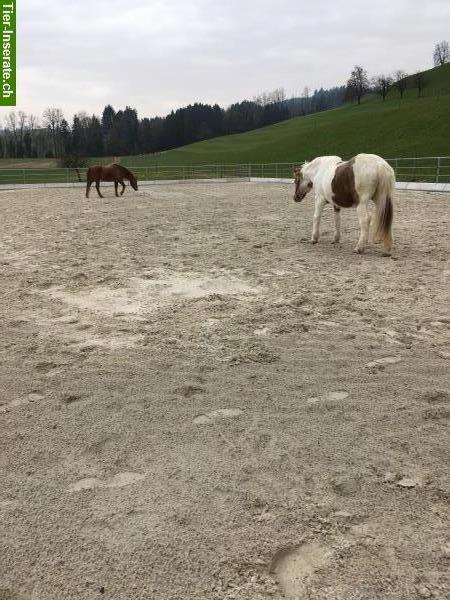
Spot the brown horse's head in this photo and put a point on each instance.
(127, 174)
(133, 182)
(302, 184)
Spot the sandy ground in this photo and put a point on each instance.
(196, 403)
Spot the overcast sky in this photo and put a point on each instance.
(156, 55)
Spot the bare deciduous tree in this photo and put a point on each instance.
(358, 82)
(400, 82)
(21, 121)
(381, 85)
(278, 96)
(32, 126)
(11, 121)
(441, 54)
(11, 126)
(265, 98)
(33, 122)
(52, 118)
(419, 82)
(305, 100)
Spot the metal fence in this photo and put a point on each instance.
(434, 169)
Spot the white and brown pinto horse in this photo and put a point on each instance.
(349, 184)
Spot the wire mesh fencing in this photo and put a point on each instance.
(434, 169)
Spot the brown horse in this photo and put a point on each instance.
(113, 172)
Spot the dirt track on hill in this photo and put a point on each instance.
(196, 403)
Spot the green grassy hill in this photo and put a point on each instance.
(437, 82)
(409, 127)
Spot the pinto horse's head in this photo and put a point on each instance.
(302, 183)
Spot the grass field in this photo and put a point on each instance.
(407, 128)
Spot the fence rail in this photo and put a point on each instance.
(434, 169)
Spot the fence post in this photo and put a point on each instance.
(438, 169)
(262, 170)
(23, 176)
(276, 170)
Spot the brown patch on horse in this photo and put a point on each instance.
(343, 185)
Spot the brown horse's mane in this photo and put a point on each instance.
(128, 174)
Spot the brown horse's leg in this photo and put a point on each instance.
(123, 188)
(97, 185)
(88, 187)
(116, 185)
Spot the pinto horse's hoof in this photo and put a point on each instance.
(314, 241)
(358, 250)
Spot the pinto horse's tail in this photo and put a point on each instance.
(384, 206)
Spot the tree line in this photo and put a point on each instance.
(318, 101)
(359, 84)
(122, 132)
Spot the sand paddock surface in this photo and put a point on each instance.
(196, 403)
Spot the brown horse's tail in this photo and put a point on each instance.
(89, 180)
(384, 206)
(79, 175)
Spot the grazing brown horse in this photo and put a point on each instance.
(113, 172)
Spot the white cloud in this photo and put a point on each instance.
(157, 55)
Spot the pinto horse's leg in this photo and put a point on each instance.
(337, 225)
(372, 223)
(364, 223)
(97, 185)
(320, 203)
(116, 185)
(123, 188)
